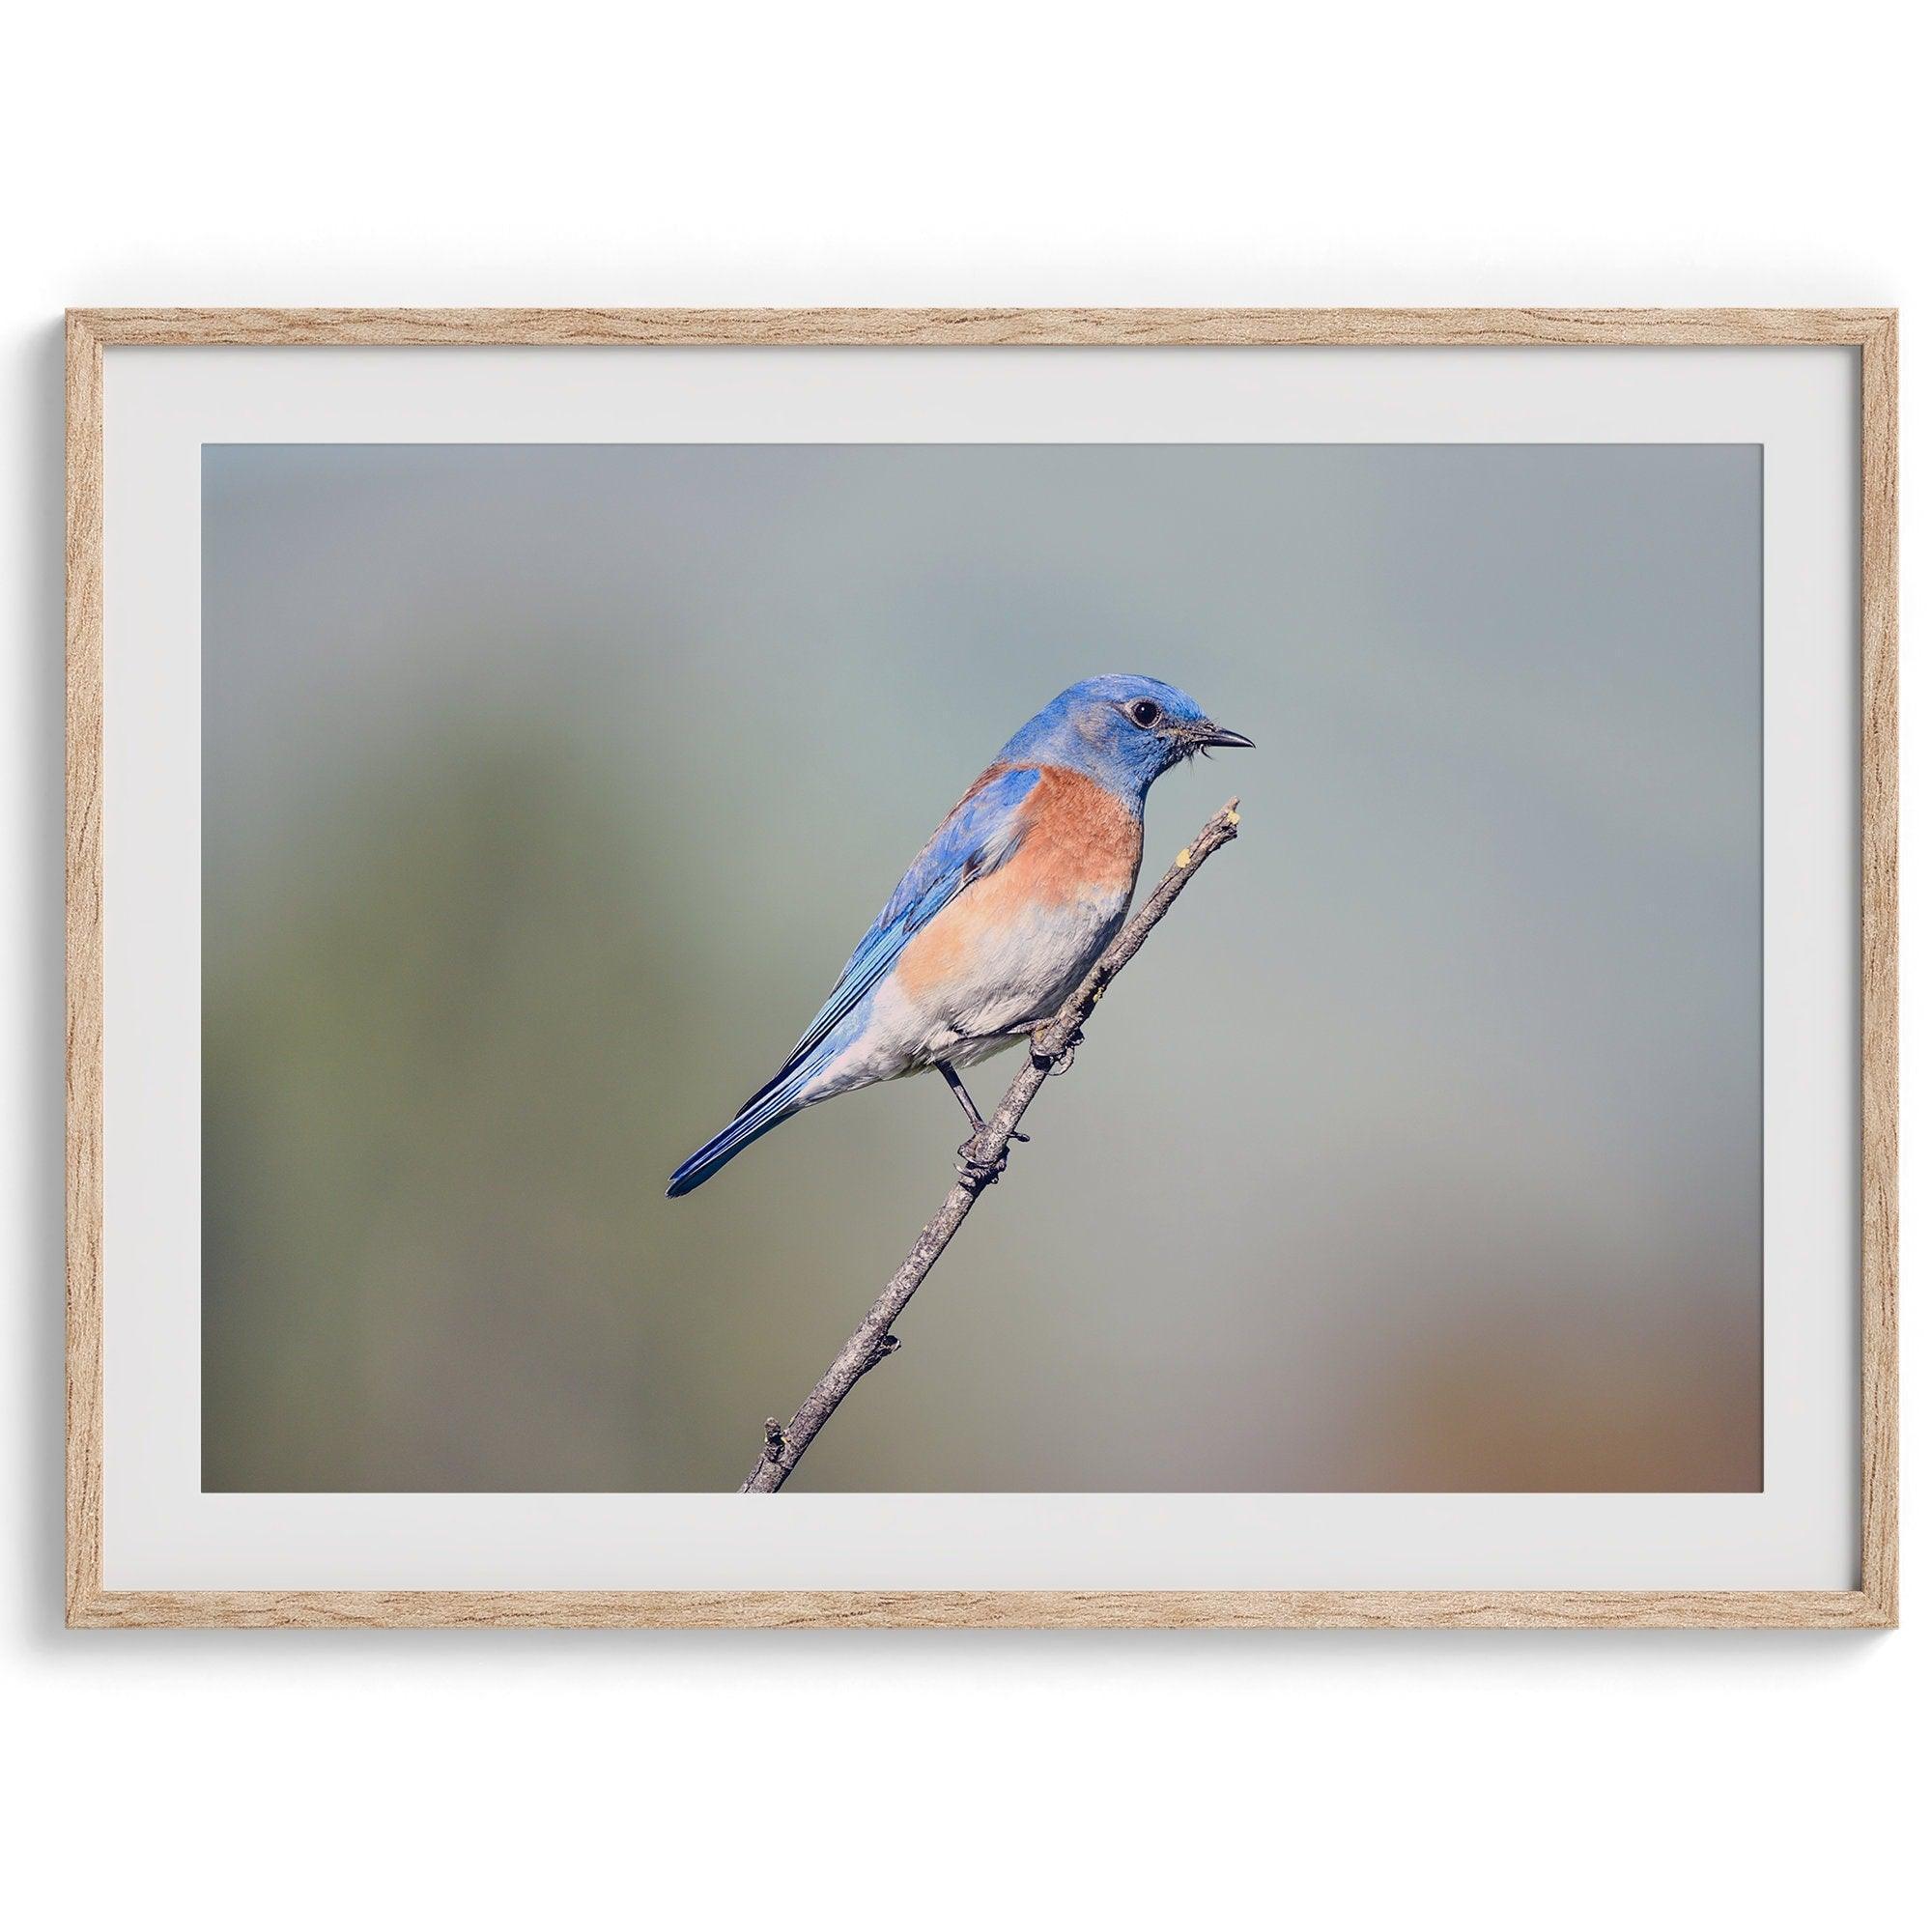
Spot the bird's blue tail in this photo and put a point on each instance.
(766, 1110)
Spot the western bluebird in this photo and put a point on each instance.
(999, 918)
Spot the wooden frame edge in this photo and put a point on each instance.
(1878, 925)
(1008, 1610)
(1875, 1605)
(1043, 328)
(83, 1062)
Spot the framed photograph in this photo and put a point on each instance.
(1460, 746)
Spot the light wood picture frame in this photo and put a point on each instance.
(1873, 334)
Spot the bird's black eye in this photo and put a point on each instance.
(1143, 711)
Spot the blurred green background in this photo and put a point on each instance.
(546, 789)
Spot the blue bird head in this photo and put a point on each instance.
(1123, 731)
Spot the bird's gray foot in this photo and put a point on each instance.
(978, 1167)
(1062, 1061)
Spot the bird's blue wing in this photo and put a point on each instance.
(980, 834)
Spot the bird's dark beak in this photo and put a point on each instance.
(1208, 734)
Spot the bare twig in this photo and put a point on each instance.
(1050, 1050)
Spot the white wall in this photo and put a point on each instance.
(1208, 153)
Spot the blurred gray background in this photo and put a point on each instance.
(546, 789)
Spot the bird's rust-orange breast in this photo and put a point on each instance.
(1078, 841)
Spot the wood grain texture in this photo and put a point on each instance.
(1012, 1609)
(1041, 327)
(1874, 333)
(1879, 965)
(84, 1056)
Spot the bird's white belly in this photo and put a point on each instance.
(1019, 975)
(1009, 978)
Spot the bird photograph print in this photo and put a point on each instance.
(1298, 1021)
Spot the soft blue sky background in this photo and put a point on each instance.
(546, 789)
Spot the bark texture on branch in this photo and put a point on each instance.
(1052, 1041)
